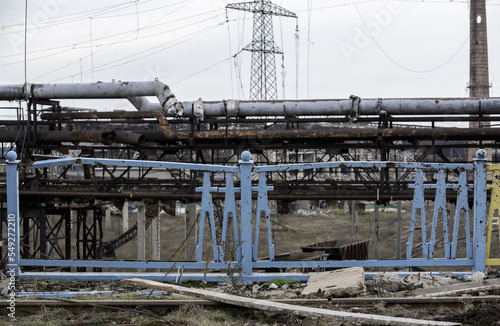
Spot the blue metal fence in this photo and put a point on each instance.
(246, 239)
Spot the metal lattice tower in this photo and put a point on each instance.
(263, 83)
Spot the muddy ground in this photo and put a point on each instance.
(191, 315)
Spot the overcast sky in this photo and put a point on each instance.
(412, 48)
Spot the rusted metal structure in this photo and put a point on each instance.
(239, 179)
(276, 132)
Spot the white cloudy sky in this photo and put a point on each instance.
(416, 48)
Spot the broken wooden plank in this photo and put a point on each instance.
(337, 283)
(457, 289)
(282, 307)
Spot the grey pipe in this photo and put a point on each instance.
(135, 92)
(464, 106)
(132, 90)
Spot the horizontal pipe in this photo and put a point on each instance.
(86, 90)
(440, 134)
(104, 137)
(101, 115)
(347, 107)
(353, 107)
(132, 90)
(342, 134)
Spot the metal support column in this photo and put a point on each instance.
(107, 218)
(398, 236)
(377, 230)
(155, 236)
(246, 214)
(13, 213)
(125, 217)
(480, 217)
(141, 231)
(190, 231)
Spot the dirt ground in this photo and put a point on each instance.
(290, 232)
(191, 315)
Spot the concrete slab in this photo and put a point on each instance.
(337, 283)
(458, 289)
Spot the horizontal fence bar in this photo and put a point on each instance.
(365, 165)
(127, 264)
(257, 264)
(49, 163)
(244, 267)
(363, 263)
(170, 277)
(132, 163)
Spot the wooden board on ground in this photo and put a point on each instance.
(460, 288)
(337, 283)
(282, 307)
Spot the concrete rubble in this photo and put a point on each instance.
(336, 283)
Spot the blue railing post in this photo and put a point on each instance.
(246, 214)
(13, 236)
(480, 217)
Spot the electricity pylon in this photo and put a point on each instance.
(263, 83)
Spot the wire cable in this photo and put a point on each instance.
(199, 72)
(130, 32)
(91, 51)
(162, 47)
(81, 16)
(230, 49)
(309, 6)
(190, 36)
(25, 43)
(397, 63)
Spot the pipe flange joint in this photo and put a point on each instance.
(379, 109)
(232, 108)
(172, 107)
(28, 91)
(353, 116)
(199, 110)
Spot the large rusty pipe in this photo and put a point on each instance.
(329, 134)
(102, 115)
(166, 135)
(105, 137)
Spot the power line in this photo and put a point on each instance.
(199, 72)
(85, 72)
(81, 16)
(127, 33)
(104, 45)
(162, 47)
(143, 11)
(397, 63)
(25, 42)
(91, 51)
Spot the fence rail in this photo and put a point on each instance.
(246, 239)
